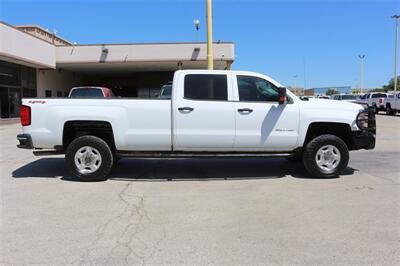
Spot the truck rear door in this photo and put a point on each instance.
(203, 111)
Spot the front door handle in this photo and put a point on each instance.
(245, 110)
(185, 109)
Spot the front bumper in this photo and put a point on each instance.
(25, 141)
(365, 138)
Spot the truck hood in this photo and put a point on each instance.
(331, 105)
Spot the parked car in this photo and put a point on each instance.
(392, 104)
(90, 92)
(323, 97)
(376, 100)
(211, 113)
(166, 92)
(308, 97)
(345, 97)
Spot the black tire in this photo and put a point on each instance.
(389, 110)
(310, 156)
(104, 167)
(376, 111)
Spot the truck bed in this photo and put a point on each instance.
(138, 124)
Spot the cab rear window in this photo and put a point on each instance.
(379, 95)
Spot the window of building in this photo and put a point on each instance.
(28, 93)
(48, 93)
(254, 89)
(10, 74)
(59, 94)
(206, 87)
(16, 81)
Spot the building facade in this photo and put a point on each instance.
(338, 89)
(37, 63)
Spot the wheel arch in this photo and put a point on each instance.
(77, 128)
(340, 130)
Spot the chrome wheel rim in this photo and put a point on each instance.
(328, 158)
(87, 160)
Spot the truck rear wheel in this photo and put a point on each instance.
(89, 158)
(389, 110)
(325, 156)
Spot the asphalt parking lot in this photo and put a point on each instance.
(202, 211)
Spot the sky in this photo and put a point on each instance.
(303, 43)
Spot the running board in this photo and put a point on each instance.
(128, 154)
(47, 152)
(136, 154)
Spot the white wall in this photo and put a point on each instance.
(142, 52)
(15, 44)
(56, 80)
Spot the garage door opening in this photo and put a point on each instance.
(142, 85)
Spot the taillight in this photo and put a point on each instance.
(25, 113)
(381, 100)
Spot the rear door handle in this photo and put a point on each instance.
(245, 110)
(186, 109)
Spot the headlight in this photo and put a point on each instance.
(362, 120)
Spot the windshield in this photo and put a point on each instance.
(349, 97)
(86, 92)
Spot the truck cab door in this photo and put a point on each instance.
(261, 122)
(204, 118)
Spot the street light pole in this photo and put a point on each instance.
(295, 81)
(196, 23)
(361, 71)
(210, 58)
(396, 17)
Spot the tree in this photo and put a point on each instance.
(378, 90)
(331, 92)
(390, 86)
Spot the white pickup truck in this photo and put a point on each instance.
(392, 104)
(376, 100)
(210, 114)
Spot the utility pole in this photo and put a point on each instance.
(361, 56)
(304, 74)
(396, 17)
(210, 57)
(295, 81)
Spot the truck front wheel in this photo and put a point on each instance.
(325, 156)
(89, 158)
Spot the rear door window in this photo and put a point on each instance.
(206, 87)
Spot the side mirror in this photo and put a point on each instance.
(282, 95)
